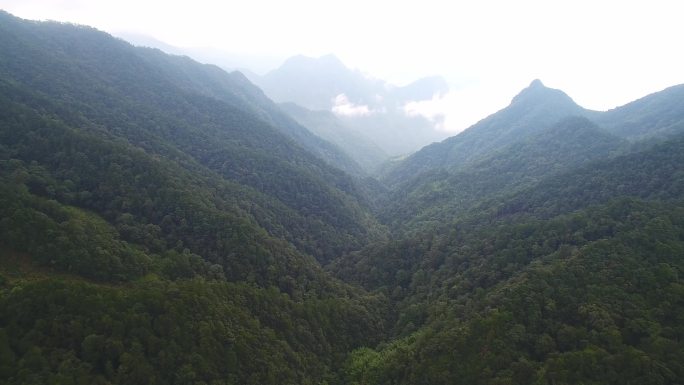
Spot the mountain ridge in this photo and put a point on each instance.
(440, 194)
(372, 106)
(530, 111)
(174, 122)
(158, 225)
(655, 115)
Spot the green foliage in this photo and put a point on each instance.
(559, 282)
(653, 116)
(602, 306)
(66, 238)
(166, 231)
(116, 110)
(440, 195)
(654, 173)
(181, 332)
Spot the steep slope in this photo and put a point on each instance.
(531, 111)
(152, 234)
(154, 203)
(437, 196)
(236, 90)
(104, 86)
(656, 115)
(157, 228)
(599, 303)
(575, 279)
(655, 173)
(326, 125)
(651, 175)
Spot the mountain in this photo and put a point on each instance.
(236, 90)
(142, 40)
(572, 279)
(162, 223)
(534, 262)
(532, 110)
(153, 102)
(158, 212)
(370, 106)
(437, 196)
(314, 83)
(329, 127)
(656, 115)
(652, 117)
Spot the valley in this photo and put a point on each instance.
(164, 221)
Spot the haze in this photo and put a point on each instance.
(603, 54)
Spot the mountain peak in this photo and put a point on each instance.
(536, 83)
(537, 92)
(535, 87)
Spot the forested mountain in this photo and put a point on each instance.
(236, 90)
(574, 280)
(531, 111)
(163, 222)
(119, 170)
(370, 106)
(101, 85)
(556, 258)
(656, 115)
(537, 107)
(438, 195)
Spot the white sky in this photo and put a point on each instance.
(603, 53)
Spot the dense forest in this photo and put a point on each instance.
(164, 222)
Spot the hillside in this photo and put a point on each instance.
(103, 86)
(164, 222)
(436, 196)
(575, 279)
(656, 115)
(164, 225)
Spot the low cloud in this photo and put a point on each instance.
(458, 109)
(342, 106)
(433, 110)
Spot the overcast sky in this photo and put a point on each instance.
(602, 53)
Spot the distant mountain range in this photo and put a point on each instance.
(314, 83)
(542, 132)
(371, 106)
(368, 106)
(528, 249)
(534, 110)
